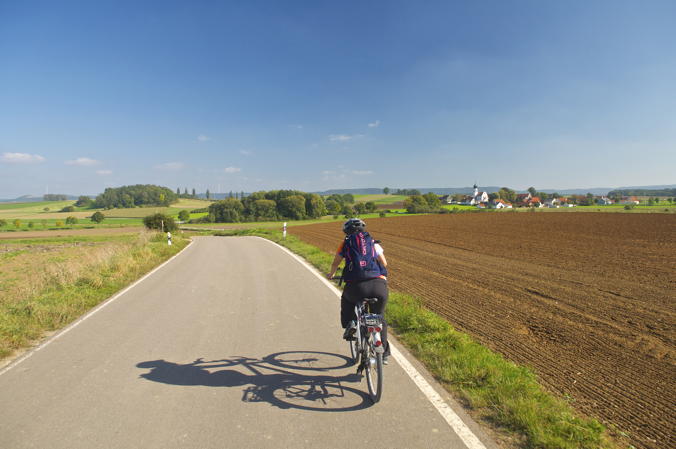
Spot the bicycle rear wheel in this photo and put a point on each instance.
(374, 373)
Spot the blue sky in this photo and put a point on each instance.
(323, 94)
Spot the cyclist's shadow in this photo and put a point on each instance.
(293, 379)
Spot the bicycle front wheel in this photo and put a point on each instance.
(354, 350)
(374, 374)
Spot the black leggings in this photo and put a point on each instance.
(355, 292)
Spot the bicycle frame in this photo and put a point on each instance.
(367, 350)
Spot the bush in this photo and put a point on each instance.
(84, 201)
(184, 215)
(68, 209)
(46, 209)
(98, 217)
(628, 206)
(59, 223)
(30, 224)
(71, 220)
(3, 223)
(199, 211)
(160, 222)
(17, 223)
(382, 214)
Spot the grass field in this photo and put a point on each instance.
(379, 198)
(49, 282)
(645, 209)
(33, 217)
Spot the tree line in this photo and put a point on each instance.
(267, 206)
(133, 196)
(55, 197)
(283, 205)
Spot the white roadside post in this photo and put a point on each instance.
(284, 232)
(168, 238)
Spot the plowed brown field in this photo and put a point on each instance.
(587, 300)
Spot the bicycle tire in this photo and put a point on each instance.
(354, 350)
(374, 374)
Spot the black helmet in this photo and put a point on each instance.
(353, 225)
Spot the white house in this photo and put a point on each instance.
(499, 204)
(603, 201)
(553, 203)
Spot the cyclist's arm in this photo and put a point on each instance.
(334, 266)
(382, 260)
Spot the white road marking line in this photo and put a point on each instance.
(87, 315)
(453, 420)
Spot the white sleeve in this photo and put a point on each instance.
(379, 249)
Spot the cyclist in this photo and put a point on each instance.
(365, 276)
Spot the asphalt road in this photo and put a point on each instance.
(234, 343)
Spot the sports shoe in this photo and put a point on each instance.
(386, 360)
(349, 331)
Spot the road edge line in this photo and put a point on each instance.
(92, 312)
(452, 419)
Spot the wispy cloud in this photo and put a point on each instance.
(374, 124)
(343, 137)
(21, 158)
(170, 166)
(104, 172)
(203, 138)
(83, 162)
(245, 152)
(343, 173)
(232, 169)
(332, 175)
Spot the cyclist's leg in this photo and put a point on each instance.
(346, 312)
(348, 300)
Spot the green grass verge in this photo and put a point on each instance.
(23, 319)
(501, 392)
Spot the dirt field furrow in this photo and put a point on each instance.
(586, 300)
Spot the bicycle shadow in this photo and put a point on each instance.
(282, 379)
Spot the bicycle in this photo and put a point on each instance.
(366, 347)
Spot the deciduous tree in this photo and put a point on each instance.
(97, 217)
(160, 222)
(184, 215)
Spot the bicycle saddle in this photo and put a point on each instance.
(371, 300)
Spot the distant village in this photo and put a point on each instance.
(507, 199)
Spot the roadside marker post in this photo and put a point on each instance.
(284, 231)
(168, 238)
